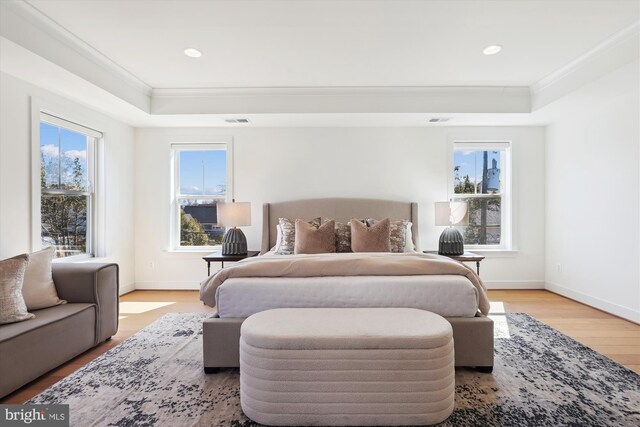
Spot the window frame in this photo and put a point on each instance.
(506, 206)
(94, 139)
(175, 149)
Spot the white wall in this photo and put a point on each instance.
(15, 174)
(275, 164)
(593, 201)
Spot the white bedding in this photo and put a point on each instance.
(449, 296)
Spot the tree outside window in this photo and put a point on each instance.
(66, 190)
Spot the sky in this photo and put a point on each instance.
(211, 163)
(470, 163)
(71, 144)
(74, 145)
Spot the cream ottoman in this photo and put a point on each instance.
(346, 366)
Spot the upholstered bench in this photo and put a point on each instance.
(346, 366)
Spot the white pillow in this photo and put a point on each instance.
(278, 238)
(38, 290)
(408, 242)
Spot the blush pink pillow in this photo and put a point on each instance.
(376, 238)
(314, 240)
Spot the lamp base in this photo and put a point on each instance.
(234, 242)
(451, 242)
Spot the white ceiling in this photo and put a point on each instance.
(340, 43)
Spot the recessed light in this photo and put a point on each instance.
(192, 52)
(492, 49)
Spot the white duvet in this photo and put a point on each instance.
(449, 296)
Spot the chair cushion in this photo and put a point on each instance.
(346, 328)
(43, 318)
(56, 335)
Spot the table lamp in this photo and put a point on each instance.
(234, 214)
(450, 214)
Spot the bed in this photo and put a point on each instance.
(454, 297)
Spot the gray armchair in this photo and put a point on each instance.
(57, 334)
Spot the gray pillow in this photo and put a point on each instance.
(12, 306)
(38, 290)
(343, 236)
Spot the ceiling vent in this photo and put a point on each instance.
(236, 120)
(439, 119)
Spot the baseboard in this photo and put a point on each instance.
(169, 286)
(514, 284)
(125, 289)
(600, 304)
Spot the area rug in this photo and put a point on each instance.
(541, 378)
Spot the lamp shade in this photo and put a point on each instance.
(452, 213)
(234, 214)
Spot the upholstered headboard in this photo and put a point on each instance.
(340, 209)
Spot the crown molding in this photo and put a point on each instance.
(38, 19)
(334, 91)
(456, 99)
(624, 36)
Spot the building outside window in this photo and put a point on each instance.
(481, 178)
(200, 182)
(67, 189)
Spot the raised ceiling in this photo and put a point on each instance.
(340, 43)
(304, 63)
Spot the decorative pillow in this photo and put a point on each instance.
(38, 289)
(276, 248)
(12, 306)
(408, 245)
(343, 236)
(398, 234)
(371, 239)
(286, 245)
(315, 240)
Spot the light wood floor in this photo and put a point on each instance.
(607, 334)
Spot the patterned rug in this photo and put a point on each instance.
(541, 378)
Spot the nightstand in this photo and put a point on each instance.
(465, 257)
(218, 257)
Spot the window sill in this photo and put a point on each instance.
(194, 250)
(75, 258)
(495, 253)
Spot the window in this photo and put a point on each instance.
(481, 178)
(67, 168)
(200, 182)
